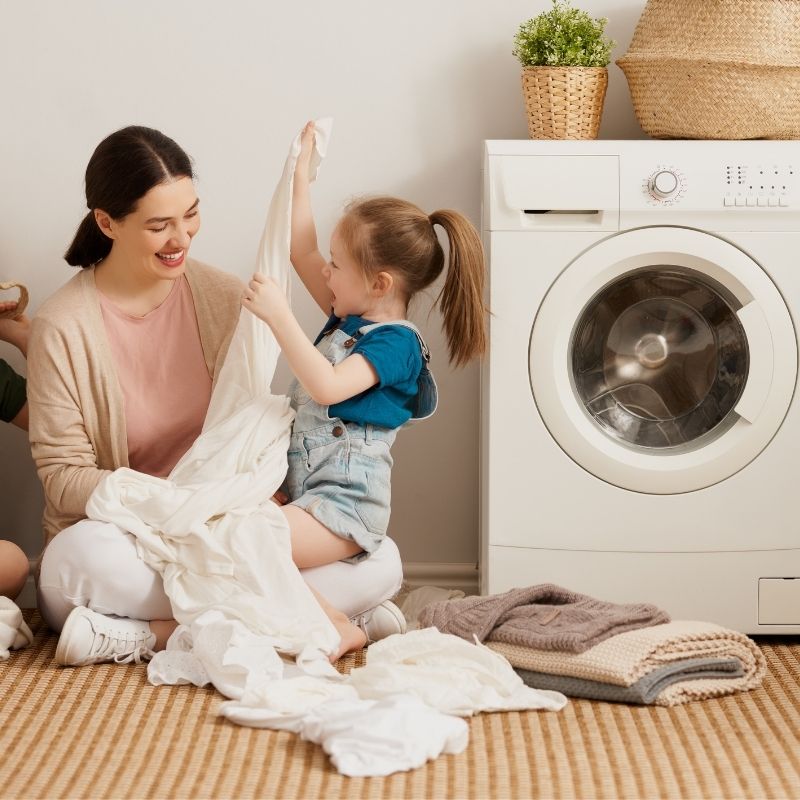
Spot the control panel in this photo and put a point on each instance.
(764, 185)
(740, 184)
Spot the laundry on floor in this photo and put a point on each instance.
(666, 665)
(14, 631)
(399, 710)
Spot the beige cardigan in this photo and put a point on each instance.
(77, 417)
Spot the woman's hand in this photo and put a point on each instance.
(15, 331)
(302, 168)
(264, 298)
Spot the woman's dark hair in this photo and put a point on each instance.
(124, 167)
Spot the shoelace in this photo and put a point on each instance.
(133, 648)
(141, 652)
(361, 622)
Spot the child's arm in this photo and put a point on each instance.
(326, 383)
(15, 330)
(304, 251)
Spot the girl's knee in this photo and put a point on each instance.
(14, 569)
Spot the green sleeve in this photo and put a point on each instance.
(12, 392)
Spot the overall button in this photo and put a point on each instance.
(338, 430)
(349, 343)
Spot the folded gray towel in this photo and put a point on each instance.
(544, 617)
(645, 690)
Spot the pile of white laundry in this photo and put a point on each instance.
(224, 552)
(14, 631)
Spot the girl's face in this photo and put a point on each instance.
(348, 285)
(154, 239)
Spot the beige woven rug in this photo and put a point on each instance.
(104, 732)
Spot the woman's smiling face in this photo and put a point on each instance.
(155, 237)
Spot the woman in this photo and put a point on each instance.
(123, 359)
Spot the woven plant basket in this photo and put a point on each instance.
(716, 69)
(564, 102)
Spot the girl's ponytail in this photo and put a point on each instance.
(461, 299)
(90, 244)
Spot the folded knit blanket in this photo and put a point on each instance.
(622, 660)
(545, 616)
(14, 631)
(646, 690)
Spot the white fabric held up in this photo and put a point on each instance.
(224, 552)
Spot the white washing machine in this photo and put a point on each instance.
(640, 428)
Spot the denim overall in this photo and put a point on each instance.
(340, 472)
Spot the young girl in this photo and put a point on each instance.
(367, 372)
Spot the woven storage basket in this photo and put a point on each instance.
(564, 102)
(716, 69)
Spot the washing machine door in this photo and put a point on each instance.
(663, 360)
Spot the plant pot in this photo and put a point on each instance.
(716, 69)
(564, 102)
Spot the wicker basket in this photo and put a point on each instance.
(716, 69)
(564, 102)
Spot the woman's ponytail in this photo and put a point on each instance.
(461, 299)
(90, 244)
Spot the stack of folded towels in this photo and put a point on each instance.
(583, 647)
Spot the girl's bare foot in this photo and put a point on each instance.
(352, 637)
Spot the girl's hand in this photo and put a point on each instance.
(15, 331)
(264, 298)
(302, 168)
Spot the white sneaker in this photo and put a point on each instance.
(92, 638)
(382, 621)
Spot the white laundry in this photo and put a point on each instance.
(14, 631)
(223, 550)
(449, 674)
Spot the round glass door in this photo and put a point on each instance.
(660, 358)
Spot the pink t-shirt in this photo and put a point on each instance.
(164, 378)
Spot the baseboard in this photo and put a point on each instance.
(416, 573)
(447, 576)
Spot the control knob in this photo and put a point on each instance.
(664, 183)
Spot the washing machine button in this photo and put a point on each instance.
(751, 201)
(762, 201)
(783, 201)
(740, 201)
(728, 200)
(772, 200)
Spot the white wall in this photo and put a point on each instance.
(414, 88)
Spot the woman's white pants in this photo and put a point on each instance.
(95, 564)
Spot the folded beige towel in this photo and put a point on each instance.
(22, 303)
(14, 631)
(623, 659)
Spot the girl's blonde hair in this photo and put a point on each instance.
(387, 234)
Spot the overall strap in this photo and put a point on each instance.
(365, 329)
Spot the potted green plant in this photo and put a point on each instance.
(564, 54)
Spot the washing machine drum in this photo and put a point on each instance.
(663, 360)
(659, 357)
